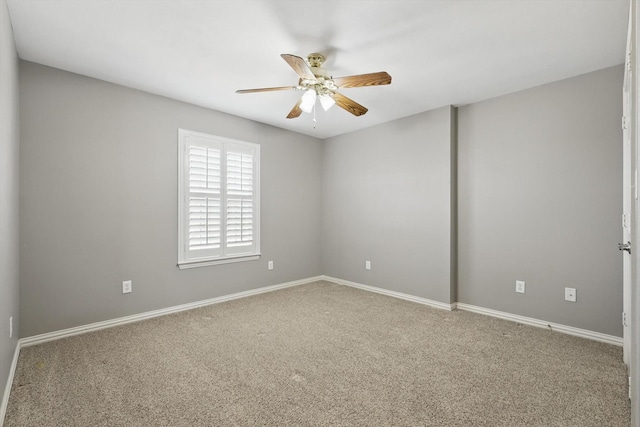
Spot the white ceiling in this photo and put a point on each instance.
(438, 52)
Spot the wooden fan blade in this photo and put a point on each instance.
(349, 104)
(267, 89)
(371, 79)
(299, 65)
(295, 111)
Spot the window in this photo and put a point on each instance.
(218, 200)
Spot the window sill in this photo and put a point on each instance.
(208, 262)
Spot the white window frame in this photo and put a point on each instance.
(189, 258)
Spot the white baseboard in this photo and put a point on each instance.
(569, 330)
(50, 336)
(412, 298)
(39, 339)
(7, 388)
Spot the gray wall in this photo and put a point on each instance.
(387, 198)
(98, 183)
(8, 194)
(540, 200)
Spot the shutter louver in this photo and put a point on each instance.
(204, 223)
(239, 174)
(204, 198)
(239, 222)
(239, 215)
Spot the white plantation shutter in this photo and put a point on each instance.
(204, 223)
(218, 200)
(239, 230)
(204, 199)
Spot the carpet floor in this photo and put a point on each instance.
(315, 355)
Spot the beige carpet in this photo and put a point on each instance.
(320, 354)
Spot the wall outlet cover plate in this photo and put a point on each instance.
(570, 294)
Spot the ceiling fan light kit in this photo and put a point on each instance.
(318, 84)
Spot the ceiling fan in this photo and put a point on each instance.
(317, 83)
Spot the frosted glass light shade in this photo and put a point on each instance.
(327, 102)
(308, 101)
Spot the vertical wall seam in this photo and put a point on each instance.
(453, 256)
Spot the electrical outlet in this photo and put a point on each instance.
(11, 327)
(270, 265)
(570, 294)
(520, 285)
(367, 265)
(126, 286)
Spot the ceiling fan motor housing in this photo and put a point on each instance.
(315, 59)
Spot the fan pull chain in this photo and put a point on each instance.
(314, 116)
